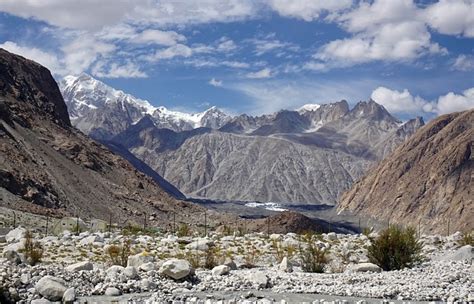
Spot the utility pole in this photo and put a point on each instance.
(144, 222)
(110, 222)
(47, 222)
(14, 219)
(205, 223)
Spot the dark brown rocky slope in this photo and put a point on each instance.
(428, 180)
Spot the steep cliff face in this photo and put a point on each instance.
(428, 180)
(26, 87)
(48, 167)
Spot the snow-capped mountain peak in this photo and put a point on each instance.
(308, 107)
(102, 111)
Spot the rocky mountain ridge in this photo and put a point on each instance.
(427, 181)
(101, 112)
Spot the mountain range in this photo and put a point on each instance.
(310, 155)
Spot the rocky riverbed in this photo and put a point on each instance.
(166, 268)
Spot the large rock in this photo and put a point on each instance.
(465, 253)
(285, 265)
(15, 235)
(200, 244)
(112, 292)
(130, 272)
(176, 269)
(364, 267)
(51, 288)
(220, 270)
(69, 295)
(139, 259)
(86, 265)
(91, 239)
(259, 279)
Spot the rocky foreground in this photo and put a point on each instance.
(161, 266)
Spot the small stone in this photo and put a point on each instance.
(139, 259)
(130, 272)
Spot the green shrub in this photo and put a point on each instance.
(183, 230)
(33, 249)
(313, 258)
(395, 248)
(467, 239)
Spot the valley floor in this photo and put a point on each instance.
(82, 263)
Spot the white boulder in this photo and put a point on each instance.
(176, 269)
(85, 265)
(220, 270)
(15, 235)
(364, 267)
(51, 288)
(139, 259)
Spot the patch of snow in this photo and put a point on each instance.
(308, 107)
(314, 127)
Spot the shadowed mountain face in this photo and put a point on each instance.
(49, 167)
(307, 156)
(428, 180)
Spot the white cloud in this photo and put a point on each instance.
(384, 30)
(226, 45)
(44, 58)
(452, 102)
(127, 70)
(178, 50)
(83, 51)
(212, 63)
(269, 43)
(216, 83)
(405, 103)
(166, 38)
(263, 73)
(452, 17)
(464, 63)
(307, 10)
(85, 14)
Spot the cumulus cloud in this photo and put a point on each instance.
(464, 63)
(452, 17)
(452, 102)
(263, 73)
(403, 102)
(216, 83)
(307, 10)
(44, 58)
(400, 102)
(382, 30)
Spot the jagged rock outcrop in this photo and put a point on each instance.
(428, 180)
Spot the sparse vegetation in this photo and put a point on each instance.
(251, 256)
(467, 239)
(183, 230)
(33, 249)
(313, 258)
(118, 254)
(395, 248)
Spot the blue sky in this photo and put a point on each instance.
(257, 56)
